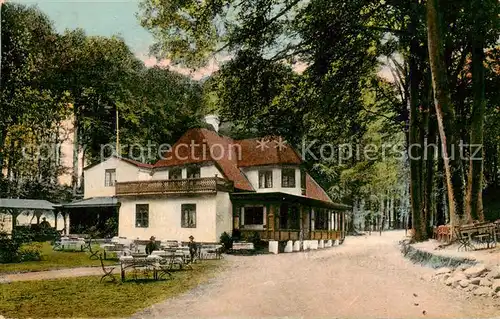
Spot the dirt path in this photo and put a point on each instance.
(365, 277)
(52, 274)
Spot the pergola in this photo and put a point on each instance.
(91, 211)
(15, 207)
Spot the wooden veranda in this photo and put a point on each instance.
(287, 217)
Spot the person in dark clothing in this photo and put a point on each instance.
(44, 223)
(193, 247)
(151, 246)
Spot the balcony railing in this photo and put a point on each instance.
(207, 185)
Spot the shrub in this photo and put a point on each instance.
(30, 252)
(226, 241)
(12, 249)
(9, 248)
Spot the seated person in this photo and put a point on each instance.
(151, 246)
(44, 223)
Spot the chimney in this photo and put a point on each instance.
(213, 120)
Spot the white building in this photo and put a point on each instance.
(208, 184)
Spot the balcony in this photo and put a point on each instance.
(207, 185)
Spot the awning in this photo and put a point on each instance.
(286, 198)
(93, 202)
(26, 204)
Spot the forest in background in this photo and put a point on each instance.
(442, 56)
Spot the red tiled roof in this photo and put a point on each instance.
(254, 153)
(313, 190)
(202, 145)
(128, 160)
(136, 163)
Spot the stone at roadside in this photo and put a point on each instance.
(475, 271)
(463, 266)
(464, 283)
(455, 279)
(494, 273)
(471, 288)
(442, 271)
(482, 291)
(496, 285)
(475, 281)
(485, 282)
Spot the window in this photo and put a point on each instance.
(265, 179)
(110, 177)
(142, 215)
(193, 172)
(288, 177)
(289, 217)
(254, 215)
(175, 173)
(303, 181)
(188, 218)
(321, 219)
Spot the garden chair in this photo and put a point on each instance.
(108, 271)
(88, 246)
(463, 241)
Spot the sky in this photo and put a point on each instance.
(107, 18)
(118, 17)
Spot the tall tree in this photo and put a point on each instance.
(445, 113)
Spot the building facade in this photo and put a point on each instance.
(207, 184)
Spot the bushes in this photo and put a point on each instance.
(12, 249)
(9, 248)
(30, 252)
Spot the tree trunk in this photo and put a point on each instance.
(474, 208)
(3, 136)
(445, 115)
(440, 191)
(76, 148)
(415, 147)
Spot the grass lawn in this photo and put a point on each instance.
(54, 260)
(86, 297)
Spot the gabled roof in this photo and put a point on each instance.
(201, 145)
(255, 152)
(136, 163)
(313, 190)
(127, 160)
(27, 204)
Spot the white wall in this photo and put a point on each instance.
(165, 219)
(252, 174)
(224, 214)
(210, 171)
(160, 175)
(95, 176)
(144, 175)
(125, 172)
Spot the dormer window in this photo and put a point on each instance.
(288, 178)
(109, 177)
(266, 179)
(193, 172)
(175, 173)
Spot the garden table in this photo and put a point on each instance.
(70, 244)
(148, 263)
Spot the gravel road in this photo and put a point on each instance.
(366, 277)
